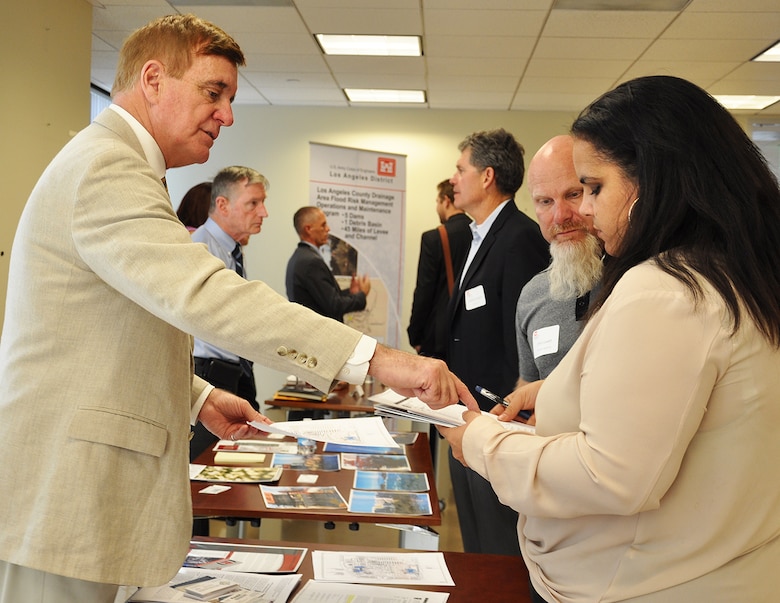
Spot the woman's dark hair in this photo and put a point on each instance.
(194, 207)
(707, 200)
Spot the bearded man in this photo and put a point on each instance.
(553, 303)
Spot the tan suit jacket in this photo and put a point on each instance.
(105, 290)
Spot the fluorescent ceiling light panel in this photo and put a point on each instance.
(770, 55)
(368, 95)
(746, 101)
(381, 46)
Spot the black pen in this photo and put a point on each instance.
(525, 414)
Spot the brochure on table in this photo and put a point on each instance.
(316, 591)
(412, 569)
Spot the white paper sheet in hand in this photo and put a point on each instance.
(360, 431)
(449, 416)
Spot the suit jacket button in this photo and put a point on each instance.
(293, 354)
(303, 358)
(312, 363)
(281, 350)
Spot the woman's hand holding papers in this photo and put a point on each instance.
(428, 379)
(226, 415)
(454, 435)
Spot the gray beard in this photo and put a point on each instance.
(576, 267)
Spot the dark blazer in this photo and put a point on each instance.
(310, 282)
(482, 344)
(429, 321)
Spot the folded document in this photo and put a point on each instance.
(391, 404)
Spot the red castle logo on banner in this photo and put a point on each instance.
(385, 166)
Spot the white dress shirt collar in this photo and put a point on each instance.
(149, 145)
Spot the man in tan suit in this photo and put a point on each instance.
(105, 292)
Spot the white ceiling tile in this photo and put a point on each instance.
(306, 96)
(377, 65)
(730, 6)
(725, 26)
(553, 85)
(703, 50)
(568, 68)
(607, 24)
(385, 21)
(277, 43)
(379, 81)
(105, 60)
(701, 73)
(575, 47)
(126, 18)
(736, 86)
(99, 45)
(252, 19)
(551, 102)
(757, 72)
(513, 67)
(484, 47)
(262, 80)
(469, 98)
(488, 4)
(518, 23)
(285, 63)
(357, 4)
(472, 82)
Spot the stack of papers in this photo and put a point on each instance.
(391, 404)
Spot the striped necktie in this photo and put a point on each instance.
(238, 256)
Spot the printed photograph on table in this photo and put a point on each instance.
(303, 497)
(375, 462)
(402, 439)
(248, 475)
(389, 480)
(314, 462)
(389, 503)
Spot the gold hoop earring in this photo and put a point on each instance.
(630, 209)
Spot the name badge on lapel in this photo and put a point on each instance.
(475, 297)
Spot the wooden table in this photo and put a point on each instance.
(244, 501)
(477, 577)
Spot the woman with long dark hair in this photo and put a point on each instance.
(653, 474)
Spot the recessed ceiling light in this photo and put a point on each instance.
(771, 54)
(368, 95)
(746, 101)
(390, 46)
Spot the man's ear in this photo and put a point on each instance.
(221, 205)
(488, 177)
(152, 74)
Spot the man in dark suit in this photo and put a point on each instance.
(507, 249)
(429, 322)
(309, 281)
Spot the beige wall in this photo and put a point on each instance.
(44, 58)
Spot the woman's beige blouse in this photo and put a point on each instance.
(655, 471)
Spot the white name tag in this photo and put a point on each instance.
(475, 297)
(545, 340)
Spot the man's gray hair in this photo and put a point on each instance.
(228, 177)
